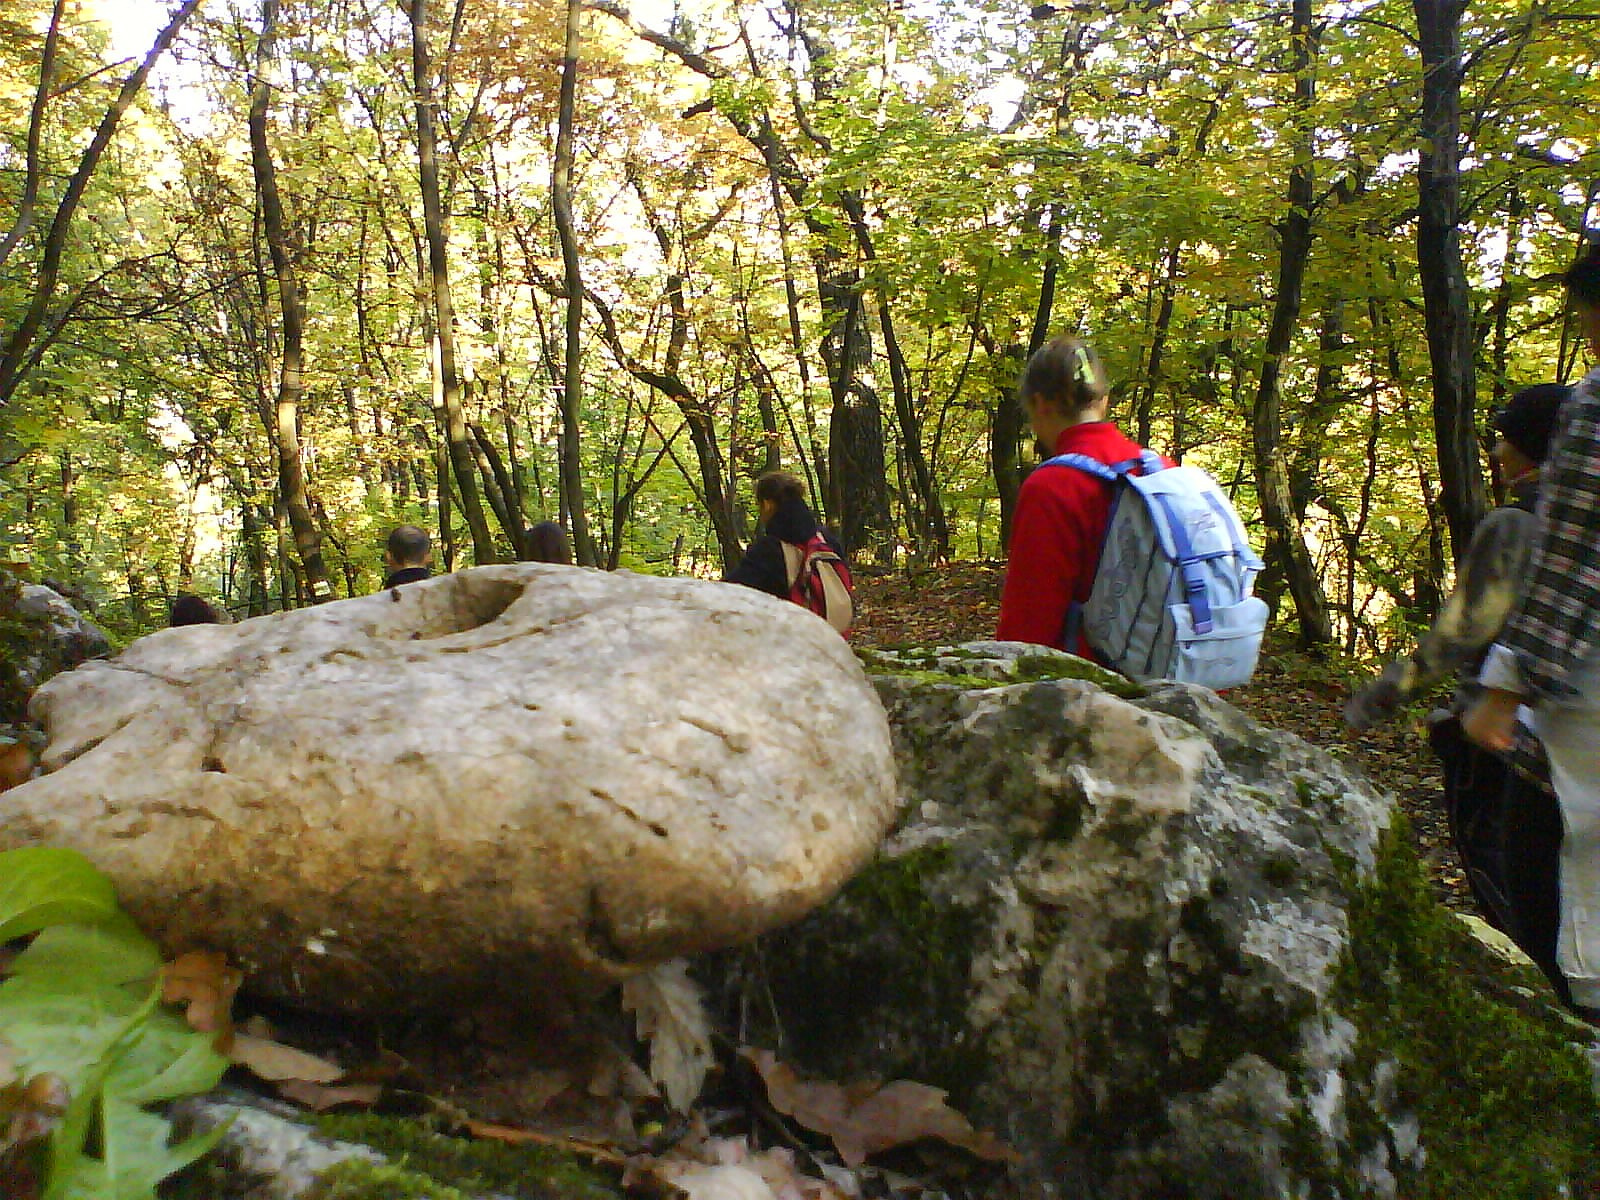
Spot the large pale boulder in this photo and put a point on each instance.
(1166, 952)
(516, 779)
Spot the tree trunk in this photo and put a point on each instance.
(463, 464)
(1158, 344)
(33, 164)
(1008, 428)
(1446, 298)
(285, 430)
(1285, 540)
(925, 517)
(858, 483)
(572, 377)
(509, 508)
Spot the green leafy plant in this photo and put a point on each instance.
(81, 1007)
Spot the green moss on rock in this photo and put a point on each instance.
(358, 1180)
(937, 678)
(453, 1166)
(1033, 667)
(896, 915)
(1486, 1063)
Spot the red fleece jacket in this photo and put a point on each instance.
(1055, 538)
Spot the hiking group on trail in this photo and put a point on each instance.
(1141, 564)
(1155, 581)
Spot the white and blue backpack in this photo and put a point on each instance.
(1172, 595)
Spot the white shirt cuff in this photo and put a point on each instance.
(1500, 671)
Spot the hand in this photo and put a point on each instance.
(1376, 702)
(1491, 721)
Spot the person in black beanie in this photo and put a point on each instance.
(1543, 670)
(1528, 420)
(1501, 809)
(1489, 572)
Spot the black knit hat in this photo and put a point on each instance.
(1529, 419)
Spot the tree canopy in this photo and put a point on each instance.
(311, 268)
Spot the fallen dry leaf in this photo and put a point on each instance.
(699, 1181)
(16, 764)
(670, 1014)
(203, 981)
(29, 1112)
(320, 1097)
(864, 1119)
(707, 1168)
(277, 1063)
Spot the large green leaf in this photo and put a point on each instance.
(113, 951)
(62, 1031)
(83, 1002)
(47, 885)
(136, 1159)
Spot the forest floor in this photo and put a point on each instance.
(1291, 691)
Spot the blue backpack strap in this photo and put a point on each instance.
(1090, 466)
(1194, 581)
(1150, 462)
(1240, 549)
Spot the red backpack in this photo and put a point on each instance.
(820, 580)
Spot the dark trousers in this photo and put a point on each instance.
(1507, 831)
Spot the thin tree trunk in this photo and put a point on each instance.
(32, 163)
(502, 489)
(925, 510)
(463, 464)
(572, 375)
(286, 417)
(447, 533)
(1158, 344)
(1446, 296)
(1286, 541)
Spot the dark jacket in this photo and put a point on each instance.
(406, 575)
(762, 566)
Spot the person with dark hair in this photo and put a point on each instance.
(189, 609)
(407, 556)
(1061, 515)
(1490, 574)
(1501, 810)
(795, 558)
(1545, 666)
(546, 542)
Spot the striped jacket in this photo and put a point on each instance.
(1557, 625)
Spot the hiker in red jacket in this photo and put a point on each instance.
(1061, 515)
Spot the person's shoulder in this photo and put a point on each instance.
(1507, 526)
(1585, 395)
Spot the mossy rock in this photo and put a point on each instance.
(435, 1166)
(886, 954)
(370, 1157)
(1301, 1020)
